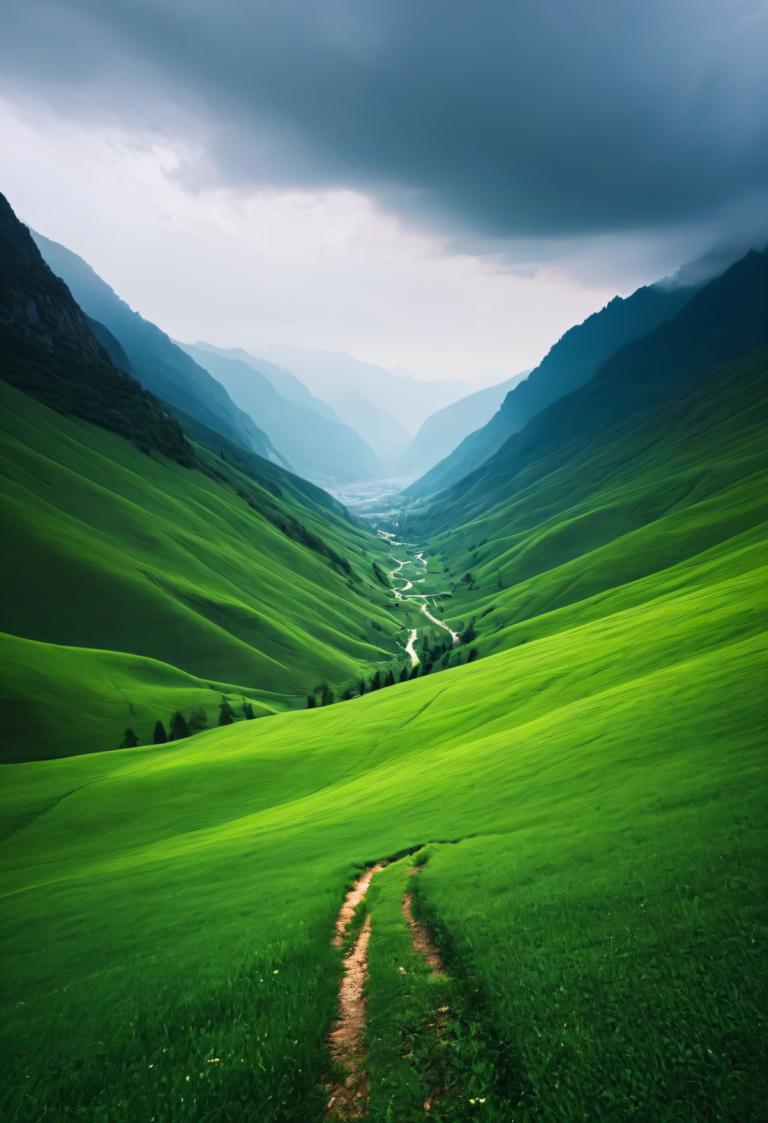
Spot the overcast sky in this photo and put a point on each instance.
(436, 185)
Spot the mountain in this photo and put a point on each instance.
(158, 364)
(284, 381)
(570, 363)
(49, 350)
(444, 430)
(725, 318)
(316, 446)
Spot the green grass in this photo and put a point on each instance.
(110, 550)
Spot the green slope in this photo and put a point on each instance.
(265, 586)
(603, 784)
(670, 499)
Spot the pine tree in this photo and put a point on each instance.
(226, 717)
(404, 674)
(362, 687)
(347, 695)
(130, 740)
(327, 698)
(311, 703)
(198, 720)
(248, 713)
(178, 726)
(470, 632)
(159, 736)
(376, 681)
(389, 679)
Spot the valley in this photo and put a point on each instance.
(458, 810)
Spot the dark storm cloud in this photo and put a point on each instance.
(493, 119)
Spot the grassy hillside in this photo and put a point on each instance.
(592, 796)
(668, 501)
(265, 586)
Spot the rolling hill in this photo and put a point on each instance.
(316, 446)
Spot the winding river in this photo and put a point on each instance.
(403, 592)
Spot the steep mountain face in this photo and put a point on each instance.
(386, 409)
(158, 364)
(726, 318)
(50, 352)
(444, 430)
(569, 364)
(315, 446)
(284, 381)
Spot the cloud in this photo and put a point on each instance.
(506, 125)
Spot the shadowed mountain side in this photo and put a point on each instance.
(156, 362)
(571, 362)
(50, 351)
(726, 318)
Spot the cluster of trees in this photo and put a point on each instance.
(435, 656)
(179, 727)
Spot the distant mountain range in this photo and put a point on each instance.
(386, 409)
(444, 430)
(316, 446)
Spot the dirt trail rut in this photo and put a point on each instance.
(421, 939)
(346, 1041)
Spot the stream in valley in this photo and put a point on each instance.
(378, 503)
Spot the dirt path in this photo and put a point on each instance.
(346, 1041)
(423, 944)
(410, 650)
